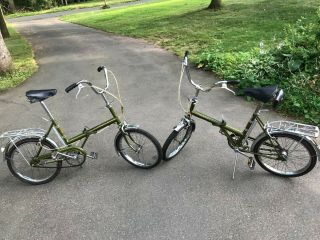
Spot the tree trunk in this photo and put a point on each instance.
(12, 6)
(3, 26)
(64, 2)
(215, 4)
(105, 6)
(5, 58)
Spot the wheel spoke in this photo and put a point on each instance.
(289, 156)
(145, 152)
(24, 151)
(176, 141)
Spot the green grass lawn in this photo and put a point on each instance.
(90, 3)
(179, 25)
(24, 64)
(241, 25)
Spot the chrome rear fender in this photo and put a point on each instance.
(315, 146)
(10, 144)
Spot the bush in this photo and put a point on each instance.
(293, 64)
(32, 4)
(35, 5)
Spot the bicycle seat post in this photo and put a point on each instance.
(46, 110)
(57, 130)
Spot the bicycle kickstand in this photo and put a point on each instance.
(251, 162)
(235, 163)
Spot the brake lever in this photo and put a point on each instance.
(80, 86)
(225, 86)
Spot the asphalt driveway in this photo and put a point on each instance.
(191, 197)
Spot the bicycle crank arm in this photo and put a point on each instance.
(251, 162)
(63, 155)
(93, 155)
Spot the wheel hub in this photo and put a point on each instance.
(284, 155)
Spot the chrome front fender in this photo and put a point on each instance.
(121, 130)
(185, 122)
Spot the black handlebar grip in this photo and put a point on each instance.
(186, 54)
(72, 86)
(100, 68)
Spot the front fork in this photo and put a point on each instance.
(186, 121)
(123, 131)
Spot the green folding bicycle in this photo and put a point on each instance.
(33, 157)
(283, 148)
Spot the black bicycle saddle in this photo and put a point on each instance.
(40, 95)
(263, 94)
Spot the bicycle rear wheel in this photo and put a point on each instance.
(176, 142)
(22, 153)
(285, 154)
(139, 148)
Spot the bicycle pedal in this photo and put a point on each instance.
(251, 163)
(93, 155)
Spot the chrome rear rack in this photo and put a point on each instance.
(22, 133)
(293, 127)
(15, 135)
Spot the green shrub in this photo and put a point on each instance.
(36, 5)
(293, 64)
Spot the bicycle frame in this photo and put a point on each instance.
(67, 142)
(238, 143)
(86, 132)
(228, 130)
(225, 129)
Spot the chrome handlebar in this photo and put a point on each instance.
(96, 89)
(224, 83)
(105, 70)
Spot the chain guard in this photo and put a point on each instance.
(79, 160)
(230, 143)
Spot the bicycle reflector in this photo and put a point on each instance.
(278, 98)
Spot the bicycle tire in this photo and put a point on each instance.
(150, 146)
(183, 133)
(13, 162)
(284, 156)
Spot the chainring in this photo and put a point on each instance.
(77, 158)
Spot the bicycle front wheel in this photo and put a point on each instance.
(176, 142)
(20, 156)
(139, 148)
(285, 154)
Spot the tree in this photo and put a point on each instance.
(3, 26)
(12, 6)
(215, 4)
(5, 58)
(105, 6)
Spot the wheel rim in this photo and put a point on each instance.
(141, 152)
(291, 158)
(20, 162)
(178, 143)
